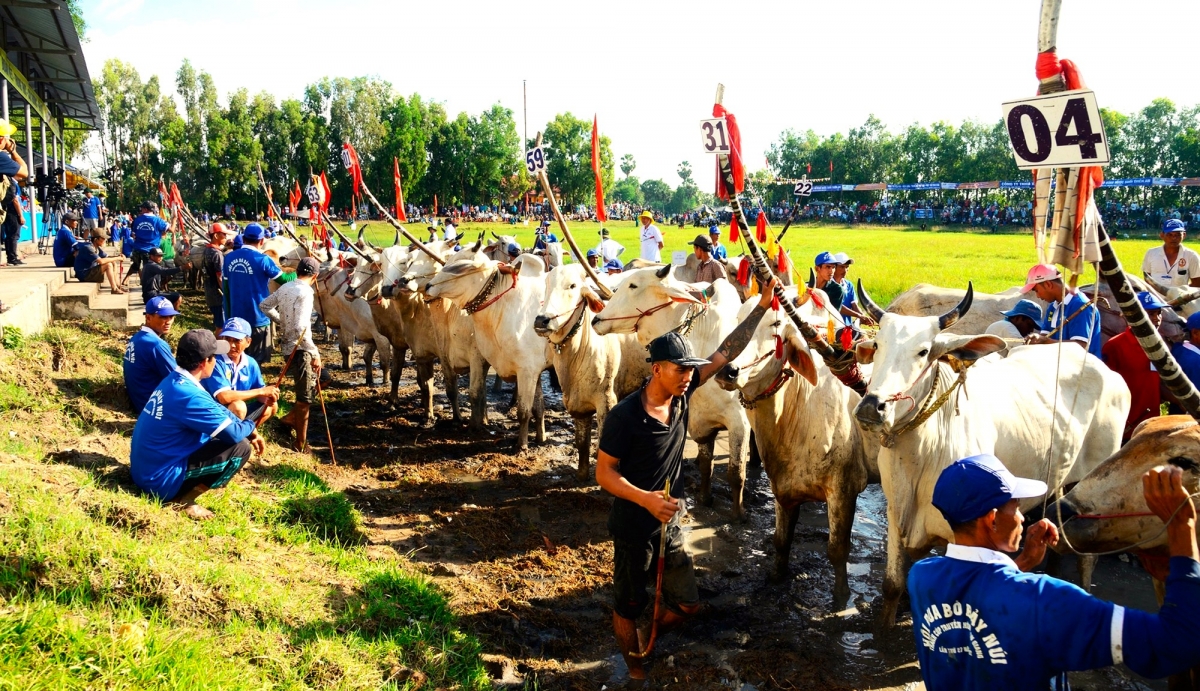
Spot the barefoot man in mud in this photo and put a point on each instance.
(291, 308)
(641, 448)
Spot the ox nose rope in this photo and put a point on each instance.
(562, 342)
(1105, 516)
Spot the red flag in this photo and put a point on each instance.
(435, 205)
(831, 166)
(600, 214)
(735, 154)
(400, 216)
(760, 227)
(353, 167)
(294, 197)
(809, 168)
(328, 194)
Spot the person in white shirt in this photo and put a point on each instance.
(1172, 265)
(451, 230)
(652, 239)
(609, 249)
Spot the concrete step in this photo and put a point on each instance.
(73, 300)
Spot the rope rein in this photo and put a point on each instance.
(481, 302)
(930, 405)
(573, 330)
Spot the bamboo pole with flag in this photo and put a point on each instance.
(400, 215)
(601, 215)
(391, 219)
(1078, 218)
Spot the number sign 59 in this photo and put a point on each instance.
(1057, 131)
(714, 136)
(535, 160)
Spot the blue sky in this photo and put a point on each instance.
(649, 68)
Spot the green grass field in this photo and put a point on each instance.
(888, 260)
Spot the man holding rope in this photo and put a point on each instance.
(291, 308)
(641, 451)
(981, 621)
(1070, 316)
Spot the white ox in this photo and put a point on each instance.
(352, 318)
(595, 371)
(650, 302)
(365, 281)
(503, 302)
(924, 300)
(804, 428)
(1011, 407)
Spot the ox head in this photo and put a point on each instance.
(368, 277)
(776, 346)
(648, 302)
(1115, 487)
(565, 300)
(414, 274)
(903, 350)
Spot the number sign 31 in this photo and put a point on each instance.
(535, 160)
(714, 136)
(1056, 131)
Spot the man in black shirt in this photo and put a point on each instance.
(641, 447)
(155, 277)
(211, 265)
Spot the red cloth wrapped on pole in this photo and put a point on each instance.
(600, 214)
(400, 215)
(808, 168)
(733, 230)
(328, 193)
(760, 227)
(735, 154)
(434, 205)
(295, 196)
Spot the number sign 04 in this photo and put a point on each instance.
(1056, 131)
(714, 136)
(535, 160)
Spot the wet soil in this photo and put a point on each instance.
(522, 549)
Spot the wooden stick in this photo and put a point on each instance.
(605, 293)
(286, 228)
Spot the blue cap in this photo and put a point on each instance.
(238, 243)
(1025, 308)
(975, 485)
(253, 232)
(1193, 322)
(236, 328)
(513, 249)
(1150, 301)
(613, 264)
(1174, 225)
(593, 252)
(714, 229)
(824, 258)
(161, 307)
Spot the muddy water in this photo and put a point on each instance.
(523, 551)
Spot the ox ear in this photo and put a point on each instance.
(376, 266)
(864, 352)
(680, 292)
(965, 348)
(351, 260)
(801, 361)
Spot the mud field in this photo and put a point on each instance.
(523, 551)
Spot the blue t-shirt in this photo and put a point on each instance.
(86, 255)
(1084, 326)
(179, 417)
(64, 242)
(242, 377)
(91, 209)
(1188, 357)
(980, 623)
(719, 252)
(148, 359)
(540, 244)
(7, 165)
(147, 232)
(247, 274)
(849, 297)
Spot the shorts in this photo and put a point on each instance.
(94, 275)
(135, 265)
(89, 224)
(260, 343)
(214, 464)
(303, 376)
(635, 569)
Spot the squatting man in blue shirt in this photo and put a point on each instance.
(184, 442)
(981, 622)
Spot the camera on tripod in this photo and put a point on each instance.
(50, 189)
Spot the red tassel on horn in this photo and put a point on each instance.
(733, 231)
(778, 347)
(743, 274)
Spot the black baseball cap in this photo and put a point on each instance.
(72, 216)
(703, 243)
(308, 267)
(673, 348)
(198, 345)
(156, 252)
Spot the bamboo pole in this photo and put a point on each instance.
(403, 231)
(605, 293)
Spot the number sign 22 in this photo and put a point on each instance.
(1057, 131)
(535, 160)
(803, 188)
(714, 136)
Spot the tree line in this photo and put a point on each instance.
(211, 149)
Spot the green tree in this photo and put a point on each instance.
(628, 164)
(628, 190)
(656, 194)
(567, 141)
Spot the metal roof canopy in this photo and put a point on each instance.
(43, 62)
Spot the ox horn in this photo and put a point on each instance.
(866, 301)
(1184, 299)
(1162, 289)
(397, 240)
(663, 272)
(477, 245)
(494, 235)
(947, 320)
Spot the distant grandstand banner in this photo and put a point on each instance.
(996, 184)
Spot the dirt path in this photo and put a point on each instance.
(524, 553)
